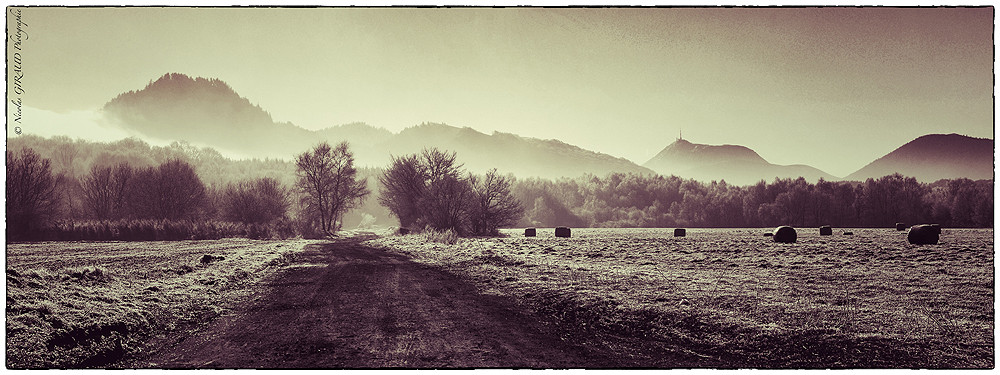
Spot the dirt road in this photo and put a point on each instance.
(346, 305)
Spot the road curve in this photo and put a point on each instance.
(346, 305)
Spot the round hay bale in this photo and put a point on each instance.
(825, 230)
(562, 232)
(529, 232)
(768, 234)
(924, 234)
(680, 232)
(785, 234)
(208, 258)
(848, 233)
(900, 226)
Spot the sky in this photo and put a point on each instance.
(834, 88)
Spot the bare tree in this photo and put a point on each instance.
(105, 191)
(403, 184)
(70, 196)
(170, 191)
(444, 201)
(182, 191)
(492, 205)
(121, 183)
(64, 156)
(328, 179)
(31, 195)
(430, 189)
(143, 202)
(97, 196)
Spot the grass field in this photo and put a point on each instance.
(716, 298)
(89, 304)
(733, 298)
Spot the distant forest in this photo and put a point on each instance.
(615, 200)
(628, 200)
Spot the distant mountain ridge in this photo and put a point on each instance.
(933, 157)
(206, 111)
(509, 152)
(737, 165)
(209, 112)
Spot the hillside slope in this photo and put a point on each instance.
(933, 157)
(735, 164)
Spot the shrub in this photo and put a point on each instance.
(263, 200)
(447, 236)
(165, 230)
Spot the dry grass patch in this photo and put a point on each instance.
(731, 298)
(72, 305)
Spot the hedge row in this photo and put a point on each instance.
(161, 230)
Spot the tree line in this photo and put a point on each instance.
(629, 200)
(82, 187)
(171, 201)
(71, 161)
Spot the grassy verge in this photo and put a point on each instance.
(733, 299)
(78, 304)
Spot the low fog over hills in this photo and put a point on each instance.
(209, 112)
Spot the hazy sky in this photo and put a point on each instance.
(834, 88)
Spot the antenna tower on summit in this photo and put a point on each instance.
(680, 134)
